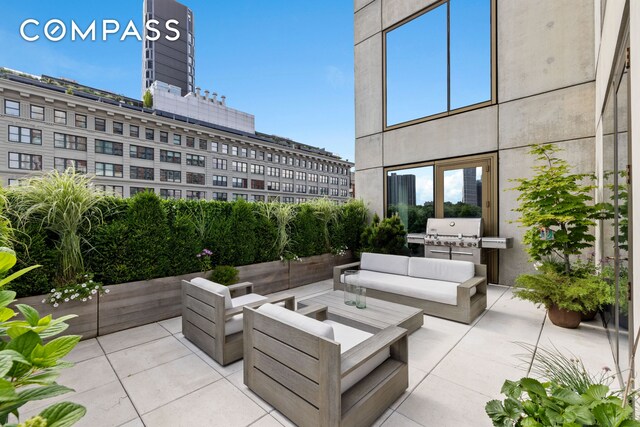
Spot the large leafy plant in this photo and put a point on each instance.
(530, 403)
(29, 366)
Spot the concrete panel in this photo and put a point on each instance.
(544, 45)
(394, 11)
(554, 116)
(370, 188)
(367, 22)
(458, 135)
(516, 163)
(369, 152)
(359, 4)
(368, 87)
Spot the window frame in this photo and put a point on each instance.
(7, 101)
(449, 112)
(40, 116)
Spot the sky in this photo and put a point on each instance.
(290, 63)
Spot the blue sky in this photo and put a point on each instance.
(290, 63)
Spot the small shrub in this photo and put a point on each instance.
(225, 275)
(385, 237)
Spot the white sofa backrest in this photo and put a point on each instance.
(214, 287)
(441, 269)
(297, 320)
(382, 263)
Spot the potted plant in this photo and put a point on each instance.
(557, 209)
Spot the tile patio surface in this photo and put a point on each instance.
(152, 376)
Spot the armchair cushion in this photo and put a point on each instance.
(298, 320)
(233, 325)
(392, 264)
(348, 338)
(247, 299)
(441, 269)
(217, 288)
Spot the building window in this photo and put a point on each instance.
(81, 121)
(202, 144)
(239, 182)
(324, 191)
(101, 124)
(239, 166)
(260, 155)
(70, 142)
(166, 193)
(108, 169)
(219, 164)
(300, 188)
(25, 135)
(343, 181)
(237, 196)
(234, 150)
(149, 134)
(219, 196)
(11, 108)
(273, 186)
(170, 156)
(225, 149)
(196, 178)
(252, 154)
(287, 187)
(138, 172)
(287, 199)
(301, 176)
(334, 180)
(284, 160)
(451, 63)
(191, 142)
(63, 164)
(134, 131)
(196, 195)
(276, 158)
(135, 190)
(118, 128)
(257, 184)
(324, 179)
(301, 200)
(287, 173)
(257, 169)
(108, 147)
(170, 176)
(258, 198)
(177, 139)
(313, 177)
(269, 157)
(60, 117)
(313, 190)
(219, 181)
(30, 162)
(37, 112)
(334, 192)
(113, 190)
(273, 171)
(164, 136)
(195, 160)
(214, 146)
(344, 193)
(138, 152)
(243, 152)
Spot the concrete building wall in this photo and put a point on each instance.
(545, 94)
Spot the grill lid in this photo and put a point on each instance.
(457, 228)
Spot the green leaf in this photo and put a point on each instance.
(53, 330)
(7, 391)
(7, 259)
(6, 298)
(17, 274)
(49, 354)
(611, 414)
(511, 389)
(6, 314)
(44, 392)
(42, 378)
(596, 392)
(63, 414)
(25, 343)
(568, 396)
(533, 386)
(530, 422)
(8, 358)
(630, 423)
(579, 414)
(30, 314)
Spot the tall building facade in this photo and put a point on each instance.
(48, 123)
(169, 61)
(402, 189)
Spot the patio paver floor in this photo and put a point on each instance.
(152, 376)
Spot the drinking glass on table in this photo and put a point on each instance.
(350, 282)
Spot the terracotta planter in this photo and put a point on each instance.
(564, 318)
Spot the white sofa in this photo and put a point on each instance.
(455, 290)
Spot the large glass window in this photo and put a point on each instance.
(439, 61)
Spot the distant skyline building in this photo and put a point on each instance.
(471, 187)
(401, 189)
(171, 62)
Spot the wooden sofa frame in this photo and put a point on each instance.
(468, 307)
(204, 318)
(300, 374)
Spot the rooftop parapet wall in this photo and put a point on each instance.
(203, 107)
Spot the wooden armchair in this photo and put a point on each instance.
(296, 366)
(212, 320)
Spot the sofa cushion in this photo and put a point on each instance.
(214, 287)
(233, 325)
(247, 299)
(348, 338)
(297, 320)
(441, 269)
(392, 264)
(426, 289)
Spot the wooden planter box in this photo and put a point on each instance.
(86, 324)
(133, 304)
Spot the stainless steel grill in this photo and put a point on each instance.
(458, 239)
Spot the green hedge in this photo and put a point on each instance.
(145, 237)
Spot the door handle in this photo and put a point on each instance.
(436, 251)
(461, 253)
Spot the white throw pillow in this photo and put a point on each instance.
(214, 287)
(297, 320)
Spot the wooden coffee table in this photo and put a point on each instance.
(378, 315)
